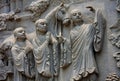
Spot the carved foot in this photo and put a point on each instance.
(56, 74)
(77, 77)
(46, 73)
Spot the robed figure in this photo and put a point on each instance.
(86, 39)
(44, 51)
(22, 57)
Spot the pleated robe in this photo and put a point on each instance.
(23, 63)
(42, 55)
(82, 38)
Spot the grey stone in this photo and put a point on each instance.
(60, 40)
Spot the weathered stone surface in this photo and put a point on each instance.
(59, 40)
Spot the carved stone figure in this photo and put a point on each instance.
(82, 51)
(56, 26)
(44, 50)
(52, 27)
(85, 39)
(22, 57)
(63, 34)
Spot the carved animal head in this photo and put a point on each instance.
(63, 14)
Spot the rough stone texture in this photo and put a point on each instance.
(105, 59)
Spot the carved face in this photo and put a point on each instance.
(63, 15)
(19, 33)
(76, 15)
(41, 25)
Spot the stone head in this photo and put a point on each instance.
(76, 15)
(41, 25)
(19, 33)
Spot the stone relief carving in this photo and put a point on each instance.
(114, 36)
(63, 47)
(117, 58)
(4, 17)
(37, 8)
(118, 6)
(112, 77)
(115, 39)
(22, 57)
(65, 36)
(3, 73)
(95, 32)
(44, 50)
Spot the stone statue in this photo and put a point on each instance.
(44, 51)
(85, 39)
(22, 57)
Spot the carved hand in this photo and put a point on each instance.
(61, 39)
(60, 6)
(95, 24)
(28, 49)
(48, 38)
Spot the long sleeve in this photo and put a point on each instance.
(51, 14)
(40, 54)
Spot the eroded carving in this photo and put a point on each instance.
(62, 48)
(118, 6)
(117, 58)
(22, 57)
(3, 19)
(3, 69)
(115, 35)
(44, 50)
(112, 77)
(38, 7)
(115, 40)
(81, 55)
